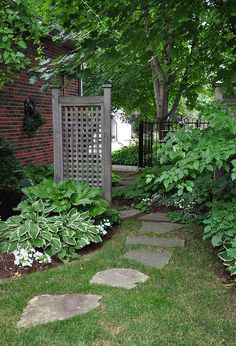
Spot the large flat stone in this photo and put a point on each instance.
(128, 213)
(119, 277)
(155, 217)
(47, 308)
(159, 227)
(162, 242)
(154, 259)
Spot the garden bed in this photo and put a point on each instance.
(8, 269)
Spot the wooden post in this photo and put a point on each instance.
(107, 143)
(57, 136)
(140, 146)
(218, 94)
(218, 173)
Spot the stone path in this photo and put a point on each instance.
(47, 308)
(128, 213)
(155, 217)
(154, 259)
(157, 223)
(119, 277)
(53, 307)
(161, 242)
(159, 227)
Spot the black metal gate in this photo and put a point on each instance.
(153, 134)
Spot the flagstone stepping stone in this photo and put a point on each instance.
(128, 213)
(160, 227)
(162, 242)
(119, 277)
(154, 259)
(155, 217)
(53, 307)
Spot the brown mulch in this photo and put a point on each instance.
(9, 269)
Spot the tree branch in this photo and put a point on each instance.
(156, 69)
(182, 87)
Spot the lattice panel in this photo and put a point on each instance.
(82, 143)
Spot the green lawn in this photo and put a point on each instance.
(184, 304)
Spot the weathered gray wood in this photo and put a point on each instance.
(57, 136)
(84, 127)
(80, 100)
(107, 143)
(218, 94)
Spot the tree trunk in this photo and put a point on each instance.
(160, 86)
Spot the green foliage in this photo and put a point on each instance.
(185, 217)
(65, 195)
(196, 152)
(118, 40)
(58, 218)
(116, 179)
(126, 156)
(194, 156)
(144, 185)
(10, 171)
(61, 235)
(18, 27)
(220, 228)
(113, 215)
(37, 173)
(144, 205)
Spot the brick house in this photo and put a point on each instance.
(38, 149)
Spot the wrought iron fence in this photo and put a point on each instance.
(153, 134)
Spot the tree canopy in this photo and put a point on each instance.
(153, 52)
(18, 27)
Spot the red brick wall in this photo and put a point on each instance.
(38, 149)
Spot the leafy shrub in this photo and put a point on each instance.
(194, 156)
(144, 205)
(196, 153)
(61, 235)
(10, 171)
(126, 156)
(144, 185)
(116, 179)
(57, 218)
(220, 228)
(37, 173)
(112, 215)
(64, 196)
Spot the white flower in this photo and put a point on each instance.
(42, 257)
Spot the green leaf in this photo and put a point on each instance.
(68, 240)
(56, 246)
(14, 236)
(81, 243)
(39, 243)
(34, 231)
(46, 235)
(232, 253)
(96, 238)
(216, 240)
(21, 230)
(3, 247)
(12, 247)
(22, 44)
(223, 255)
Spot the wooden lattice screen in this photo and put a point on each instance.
(82, 139)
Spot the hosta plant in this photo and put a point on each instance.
(61, 235)
(220, 228)
(64, 196)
